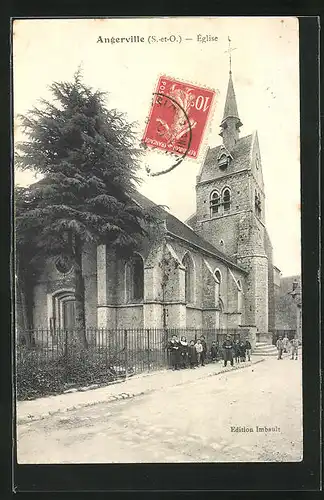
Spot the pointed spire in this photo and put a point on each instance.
(230, 110)
(231, 123)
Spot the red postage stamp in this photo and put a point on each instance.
(178, 117)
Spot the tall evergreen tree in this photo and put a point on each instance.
(86, 155)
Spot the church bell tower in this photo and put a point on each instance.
(231, 208)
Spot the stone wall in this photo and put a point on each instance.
(271, 285)
(225, 225)
(252, 255)
(106, 304)
(51, 281)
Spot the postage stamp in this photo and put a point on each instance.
(178, 117)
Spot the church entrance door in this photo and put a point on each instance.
(69, 314)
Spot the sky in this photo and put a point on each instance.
(265, 67)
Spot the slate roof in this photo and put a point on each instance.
(178, 228)
(191, 221)
(241, 159)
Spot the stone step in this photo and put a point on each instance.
(263, 346)
(265, 349)
(265, 354)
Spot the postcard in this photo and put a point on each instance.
(157, 240)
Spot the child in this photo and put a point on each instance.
(242, 351)
(199, 350)
(183, 352)
(214, 352)
(192, 354)
(237, 351)
(248, 349)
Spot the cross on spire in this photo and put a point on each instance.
(229, 52)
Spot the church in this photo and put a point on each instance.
(214, 271)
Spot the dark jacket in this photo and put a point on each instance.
(183, 348)
(213, 351)
(248, 345)
(242, 349)
(228, 348)
(173, 346)
(228, 345)
(203, 343)
(237, 350)
(192, 354)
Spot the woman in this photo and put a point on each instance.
(173, 348)
(183, 352)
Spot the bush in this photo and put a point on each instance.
(37, 375)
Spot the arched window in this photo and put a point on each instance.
(138, 278)
(239, 296)
(226, 199)
(188, 264)
(218, 280)
(134, 270)
(214, 203)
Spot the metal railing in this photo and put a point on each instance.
(134, 350)
(51, 357)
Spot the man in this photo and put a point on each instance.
(294, 348)
(280, 347)
(248, 349)
(204, 351)
(286, 344)
(228, 348)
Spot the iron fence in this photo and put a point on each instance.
(52, 357)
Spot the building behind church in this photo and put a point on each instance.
(214, 271)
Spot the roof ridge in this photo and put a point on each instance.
(201, 242)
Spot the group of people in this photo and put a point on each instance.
(284, 345)
(184, 354)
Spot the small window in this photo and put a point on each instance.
(257, 204)
(214, 203)
(226, 200)
(223, 161)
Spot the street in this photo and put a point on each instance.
(249, 415)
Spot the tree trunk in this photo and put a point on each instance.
(22, 323)
(81, 337)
